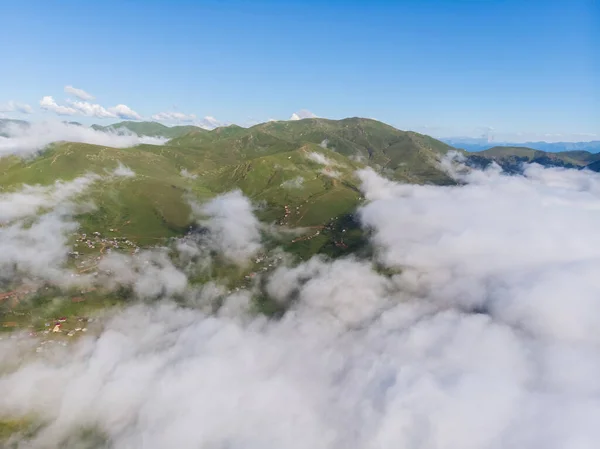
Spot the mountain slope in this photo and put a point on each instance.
(154, 204)
(403, 155)
(301, 172)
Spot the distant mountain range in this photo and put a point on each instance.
(403, 155)
(511, 159)
(473, 144)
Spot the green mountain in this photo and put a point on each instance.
(304, 166)
(403, 155)
(151, 129)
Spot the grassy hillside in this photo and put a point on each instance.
(300, 172)
(152, 129)
(406, 156)
(153, 204)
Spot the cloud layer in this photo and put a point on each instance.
(35, 137)
(174, 116)
(486, 337)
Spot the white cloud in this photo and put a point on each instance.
(174, 116)
(13, 106)
(124, 112)
(209, 122)
(234, 230)
(187, 174)
(95, 110)
(35, 225)
(90, 109)
(79, 93)
(321, 159)
(28, 140)
(302, 114)
(30, 199)
(87, 109)
(150, 274)
(496, 243)
(47, 103)
(123, 171)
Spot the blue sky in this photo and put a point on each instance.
(525, 68)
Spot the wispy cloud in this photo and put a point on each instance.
(87, 109)
(13, 106)
(124, 112)
(209, 122)
(174, 116)
(79, 93)
(90, 110)
(35, 225)
(187, 174)
(295, 183)
(322, 159)
(30, 139)
(95, 110)
(123, 171)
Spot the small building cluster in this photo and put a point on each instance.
(287, 213)
(96, 240)
(58, 325)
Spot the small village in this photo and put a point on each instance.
(82, 255)
(89, 249)
(96, 240)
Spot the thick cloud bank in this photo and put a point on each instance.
(26, 140)
(487, 338)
